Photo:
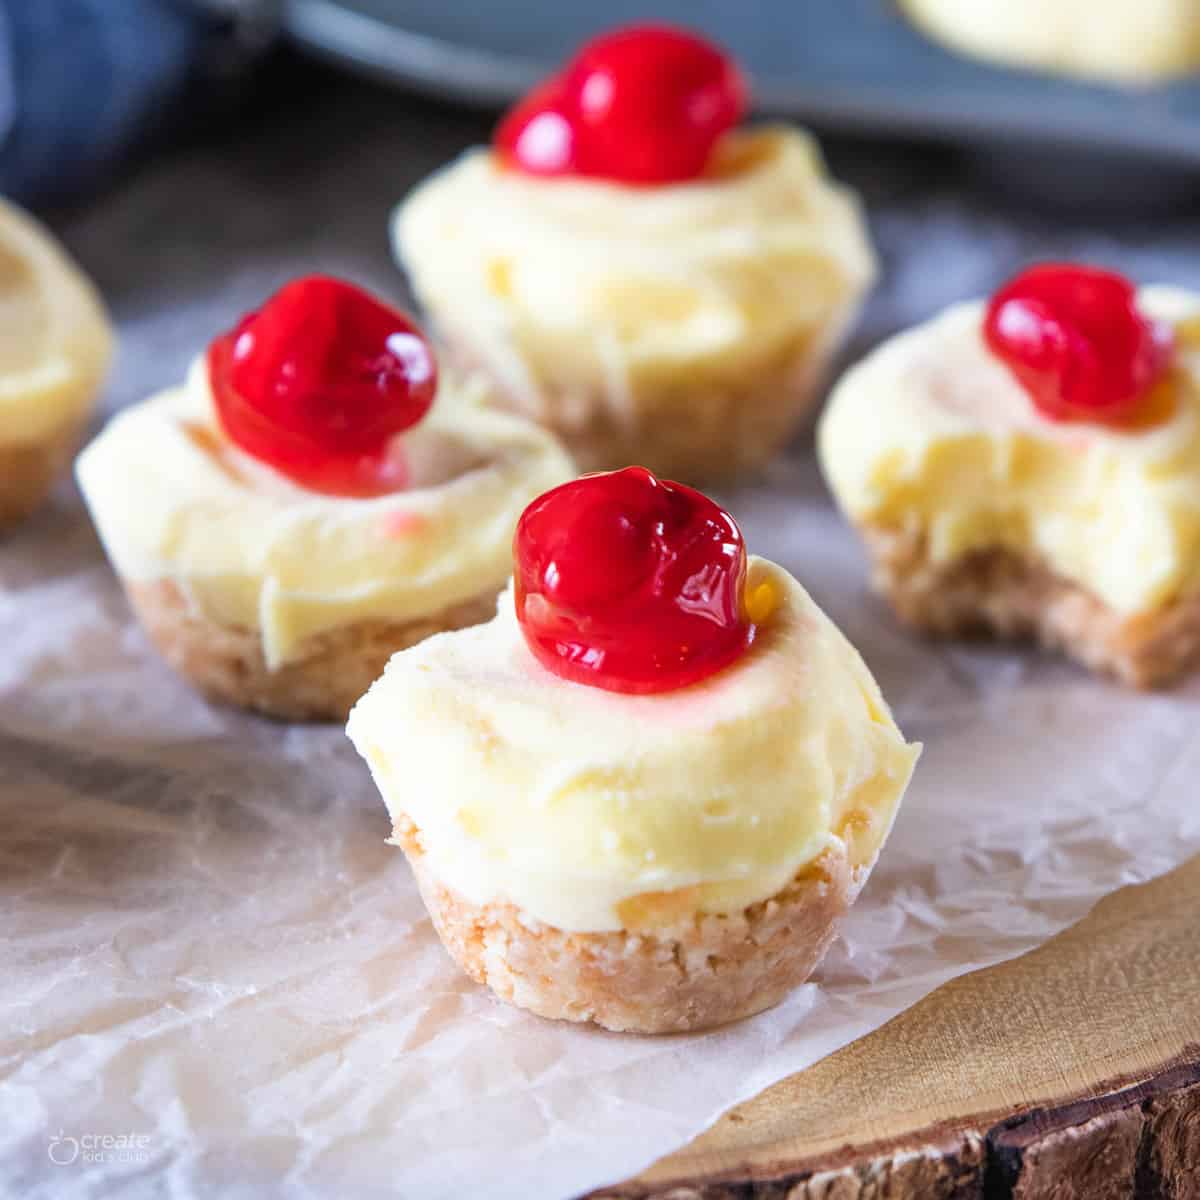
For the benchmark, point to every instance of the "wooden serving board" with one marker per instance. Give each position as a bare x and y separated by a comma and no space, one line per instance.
1070,1073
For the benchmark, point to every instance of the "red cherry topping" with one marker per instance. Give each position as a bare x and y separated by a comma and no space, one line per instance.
642,105
630,583
1075,340
318,382
538,135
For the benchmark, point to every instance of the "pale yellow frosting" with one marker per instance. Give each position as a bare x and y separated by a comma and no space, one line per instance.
597,287
932,432
1118,39
592,810
174,499
55,340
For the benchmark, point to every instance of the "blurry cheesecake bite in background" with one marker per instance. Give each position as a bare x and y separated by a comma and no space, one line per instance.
635,271
1132,41
646,791
314,497
1030,466
55,347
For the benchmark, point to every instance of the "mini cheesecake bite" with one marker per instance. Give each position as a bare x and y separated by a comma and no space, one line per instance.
646,791
55,346
1138,43
636,271
1029,466
315,497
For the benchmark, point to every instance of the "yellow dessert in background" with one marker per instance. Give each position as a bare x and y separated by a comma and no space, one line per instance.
684,326
939,456
55,346
644,835
1123,40
183,512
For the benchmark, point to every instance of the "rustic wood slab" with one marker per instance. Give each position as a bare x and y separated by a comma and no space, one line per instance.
1070,1073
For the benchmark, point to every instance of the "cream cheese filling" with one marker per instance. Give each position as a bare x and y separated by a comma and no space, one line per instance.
55,339
174,499
583,288
932,433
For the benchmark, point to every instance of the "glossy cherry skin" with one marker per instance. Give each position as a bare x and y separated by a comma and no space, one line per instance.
319,381
630,583
538,136
652,103
1075,340
643,105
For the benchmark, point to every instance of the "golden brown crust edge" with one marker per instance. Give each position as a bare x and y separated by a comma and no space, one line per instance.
695,974
1006,594
321,683
29,470
682,430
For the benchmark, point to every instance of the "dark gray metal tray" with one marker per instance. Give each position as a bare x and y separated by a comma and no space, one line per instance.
845,65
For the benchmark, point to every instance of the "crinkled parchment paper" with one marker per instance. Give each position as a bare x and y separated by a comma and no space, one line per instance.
210,956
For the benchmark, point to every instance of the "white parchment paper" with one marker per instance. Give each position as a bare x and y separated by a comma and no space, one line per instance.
210,956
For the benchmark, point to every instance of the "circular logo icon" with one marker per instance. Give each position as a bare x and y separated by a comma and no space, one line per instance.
63,1150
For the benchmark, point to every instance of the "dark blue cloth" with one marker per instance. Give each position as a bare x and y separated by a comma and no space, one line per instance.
80,82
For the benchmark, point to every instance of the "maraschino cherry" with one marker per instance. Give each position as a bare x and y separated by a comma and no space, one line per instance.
630,583
641,105
1075,340
318,382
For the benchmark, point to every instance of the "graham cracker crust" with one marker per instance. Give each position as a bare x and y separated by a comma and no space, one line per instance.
693,973
1006,594
321,683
